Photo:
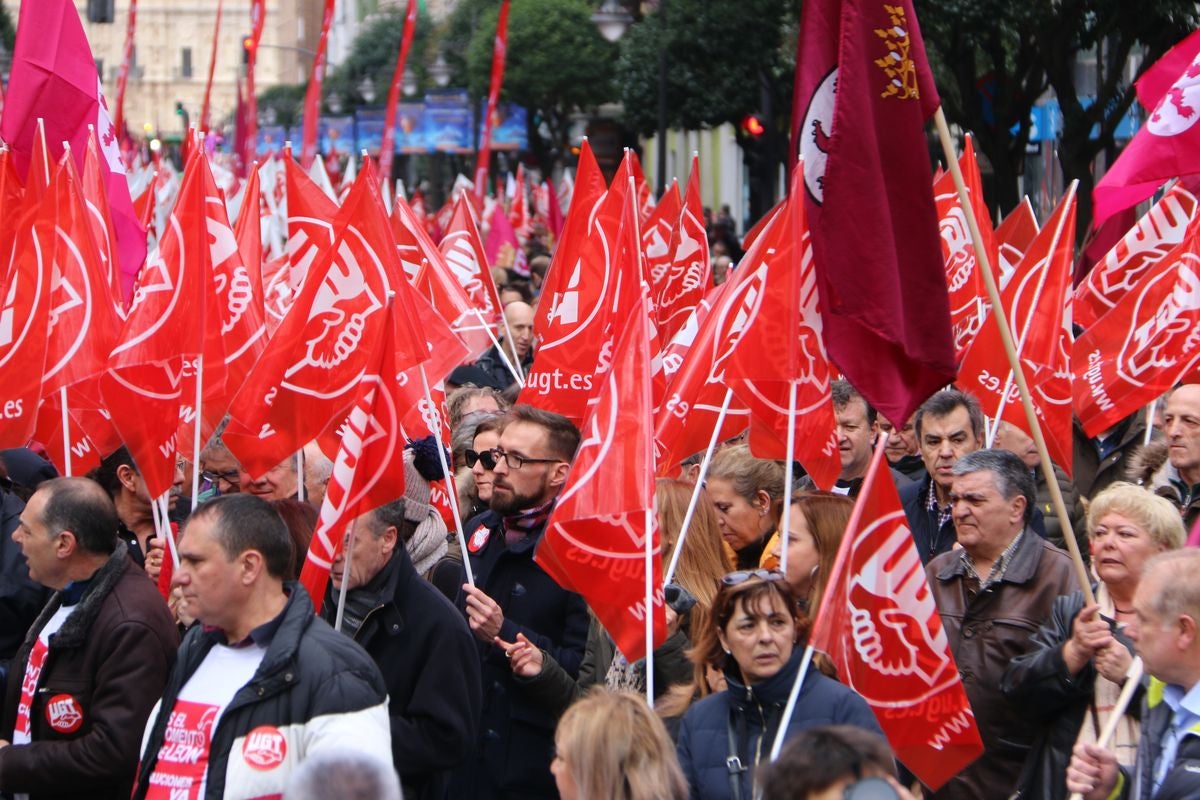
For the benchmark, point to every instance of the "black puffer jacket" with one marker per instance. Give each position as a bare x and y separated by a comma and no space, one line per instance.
1040,683
21,599
315,688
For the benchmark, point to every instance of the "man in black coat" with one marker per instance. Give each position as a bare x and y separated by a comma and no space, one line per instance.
422,646
513,595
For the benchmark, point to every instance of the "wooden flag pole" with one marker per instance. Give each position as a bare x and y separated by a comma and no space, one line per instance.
1014,363
1133,680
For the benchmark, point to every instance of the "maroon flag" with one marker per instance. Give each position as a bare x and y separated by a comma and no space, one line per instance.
388,146
1168,145
499,51
595,541
54,78
866,175
878,624
312,97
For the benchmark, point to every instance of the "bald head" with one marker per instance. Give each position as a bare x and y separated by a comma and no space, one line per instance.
519,316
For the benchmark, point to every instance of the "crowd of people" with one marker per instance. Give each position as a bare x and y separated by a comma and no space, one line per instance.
127,673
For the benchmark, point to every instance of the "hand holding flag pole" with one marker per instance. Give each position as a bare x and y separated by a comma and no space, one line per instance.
1133,681
1010,352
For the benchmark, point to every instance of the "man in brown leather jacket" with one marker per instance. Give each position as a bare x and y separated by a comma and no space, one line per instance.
992,594
94,662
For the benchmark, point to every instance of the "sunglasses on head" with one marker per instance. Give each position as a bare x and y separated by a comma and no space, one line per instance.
487,458
743,575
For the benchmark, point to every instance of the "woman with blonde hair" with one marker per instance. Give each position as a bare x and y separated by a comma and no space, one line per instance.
610,746
1073,674
747,494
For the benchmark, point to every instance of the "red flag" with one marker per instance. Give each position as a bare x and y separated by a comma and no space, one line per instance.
874,227
1155,235
123,72
657,233
1140,348
54,77
963,280
645,198
595,541
144,386
310,215
83,320
312,97
518,214
1013,238
1034,301
878,624
1167,145
366,472
24,318
11,194
780,314
258,19
690,272
309,374
248,233
463,249
499,51
85,455
212,66
387,148
104,235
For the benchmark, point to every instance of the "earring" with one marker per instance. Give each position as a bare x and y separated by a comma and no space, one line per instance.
728,652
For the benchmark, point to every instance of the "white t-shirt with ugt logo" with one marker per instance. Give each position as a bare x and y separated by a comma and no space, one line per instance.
23,730
182,765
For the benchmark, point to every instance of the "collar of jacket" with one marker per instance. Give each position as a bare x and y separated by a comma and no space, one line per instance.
774,690
1020,570
295,618
74,631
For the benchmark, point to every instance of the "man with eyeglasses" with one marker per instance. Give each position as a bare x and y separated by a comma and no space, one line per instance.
511,596
220,472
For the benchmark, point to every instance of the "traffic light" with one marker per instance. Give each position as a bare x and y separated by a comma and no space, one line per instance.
182,113
752,126
247,48
100,10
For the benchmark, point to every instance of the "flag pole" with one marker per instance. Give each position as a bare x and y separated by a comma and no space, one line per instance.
447,476
162,527
1010,351
788,474
196,432
1133,682
650,607
66,423
347,553
699,487
300,487
508,333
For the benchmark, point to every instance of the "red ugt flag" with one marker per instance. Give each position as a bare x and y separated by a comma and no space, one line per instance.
879,626
866,175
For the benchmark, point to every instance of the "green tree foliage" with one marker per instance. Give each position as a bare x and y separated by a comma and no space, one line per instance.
373,55
557,63
287,101
724,61
1012,52
8,31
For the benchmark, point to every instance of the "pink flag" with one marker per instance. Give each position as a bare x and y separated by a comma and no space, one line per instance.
54,78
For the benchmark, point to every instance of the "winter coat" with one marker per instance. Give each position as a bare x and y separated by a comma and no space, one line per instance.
108,662
1149,467
315,689
1039,683
516,733
21,599
1092,473
750,717
1075,512
426,653
986,632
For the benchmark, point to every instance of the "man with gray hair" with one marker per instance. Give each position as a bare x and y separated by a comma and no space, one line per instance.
1166,633
344,774
992,594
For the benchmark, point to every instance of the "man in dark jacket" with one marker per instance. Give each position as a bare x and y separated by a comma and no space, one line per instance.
1171,468
422,646
84,681
513,595
1101,460
21,599
262,683
1166,633
992,595
519,348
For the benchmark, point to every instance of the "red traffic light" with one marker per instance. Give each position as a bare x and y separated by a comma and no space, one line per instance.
248,43
752,126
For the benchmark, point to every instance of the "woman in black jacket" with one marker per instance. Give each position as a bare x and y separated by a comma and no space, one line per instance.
1073,674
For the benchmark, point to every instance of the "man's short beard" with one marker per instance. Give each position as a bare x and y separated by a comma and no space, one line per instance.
510,502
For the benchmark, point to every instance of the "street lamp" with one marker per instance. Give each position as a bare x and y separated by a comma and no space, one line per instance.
335,103
440,71
366,88
612,19
409,83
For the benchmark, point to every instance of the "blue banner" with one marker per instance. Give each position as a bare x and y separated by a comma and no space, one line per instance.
509,131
